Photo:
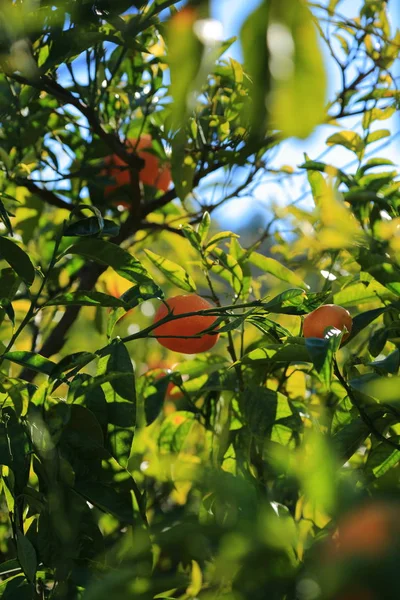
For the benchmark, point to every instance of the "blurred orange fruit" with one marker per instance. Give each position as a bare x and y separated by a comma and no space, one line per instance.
154,173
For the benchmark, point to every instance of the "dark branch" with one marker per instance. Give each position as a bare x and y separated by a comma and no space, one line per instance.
45,195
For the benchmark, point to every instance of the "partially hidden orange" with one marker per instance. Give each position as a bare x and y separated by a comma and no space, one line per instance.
328,315
187,327
154,173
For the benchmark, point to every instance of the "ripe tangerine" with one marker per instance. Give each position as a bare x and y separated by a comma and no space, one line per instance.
186,326
153,174
328,315
368,531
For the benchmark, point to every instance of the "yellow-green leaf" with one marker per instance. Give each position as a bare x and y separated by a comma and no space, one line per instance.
298,92
274,267
173,272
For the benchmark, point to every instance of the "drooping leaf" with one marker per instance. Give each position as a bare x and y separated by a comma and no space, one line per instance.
26,556
349,438
381,458
390,364
322,352
296,65
107,499
257,60
184,58
17,259
112,256
91,226
120,395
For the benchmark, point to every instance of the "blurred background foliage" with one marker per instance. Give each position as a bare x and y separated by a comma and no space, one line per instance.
268,467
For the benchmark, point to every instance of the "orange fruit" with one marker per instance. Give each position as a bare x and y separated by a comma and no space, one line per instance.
153,174
186,326
329,315
357,594
369,530
161,369
170,400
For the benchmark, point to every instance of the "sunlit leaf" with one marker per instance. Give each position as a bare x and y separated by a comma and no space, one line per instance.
173,272
274,267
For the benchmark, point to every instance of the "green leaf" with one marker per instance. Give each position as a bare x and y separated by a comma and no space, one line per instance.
390,364
274,267
16,588
173,272
184,58
289,302
192,236
9,285
349,438
121,400
4,216
204,226
82,298
290,353
174,430
26,556
322,353
375,136
17,259
91,226
349,139
108,499
297,67
374,162
31,360
228,268
256,60
8,567
19,449
217,238
381,458
362,320
183,166
377,341
112,256
72,362
133,297
318,185
264,409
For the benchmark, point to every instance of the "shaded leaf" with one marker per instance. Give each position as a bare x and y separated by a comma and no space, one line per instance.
17,259
112,256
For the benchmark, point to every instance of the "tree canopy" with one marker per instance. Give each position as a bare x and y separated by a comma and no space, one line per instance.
258,458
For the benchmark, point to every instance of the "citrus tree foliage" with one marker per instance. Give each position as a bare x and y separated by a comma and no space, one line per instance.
129,471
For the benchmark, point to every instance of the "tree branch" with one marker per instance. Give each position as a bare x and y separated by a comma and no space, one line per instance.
46,195
64,96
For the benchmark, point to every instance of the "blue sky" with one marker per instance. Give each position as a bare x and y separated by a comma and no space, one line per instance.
232,14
